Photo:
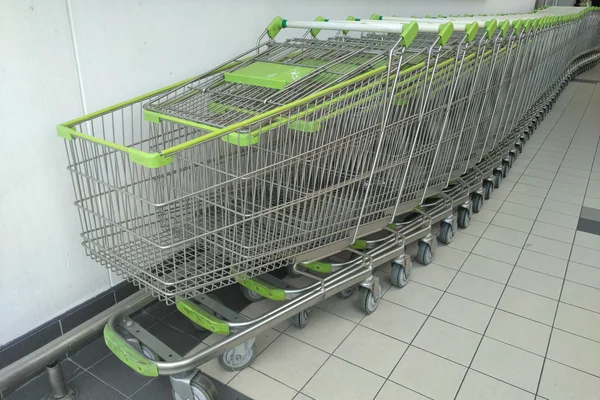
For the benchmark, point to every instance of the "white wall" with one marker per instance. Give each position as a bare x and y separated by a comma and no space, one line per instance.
61,58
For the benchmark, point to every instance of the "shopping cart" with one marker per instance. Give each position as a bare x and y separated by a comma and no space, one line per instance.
291,153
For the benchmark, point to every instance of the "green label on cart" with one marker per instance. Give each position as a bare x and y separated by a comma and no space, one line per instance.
268,75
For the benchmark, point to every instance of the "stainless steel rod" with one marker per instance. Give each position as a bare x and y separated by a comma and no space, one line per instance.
23,368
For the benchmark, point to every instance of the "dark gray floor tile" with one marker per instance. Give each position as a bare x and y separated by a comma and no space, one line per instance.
87,311
158,389
23,346
176,340
38,387
91,354
160,309
145,320
589,226
91,388
180,322
593,214
118,375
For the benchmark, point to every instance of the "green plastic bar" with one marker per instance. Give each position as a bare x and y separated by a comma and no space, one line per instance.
471,31
490,28
444,32
274,27
314,32
130,357
409,33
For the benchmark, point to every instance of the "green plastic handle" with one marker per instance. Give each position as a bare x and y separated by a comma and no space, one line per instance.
314,32
274,27
503,26
376,17
130,356
444,33
409,33
528,25
201,317
350,18
518,26
471,31
490,28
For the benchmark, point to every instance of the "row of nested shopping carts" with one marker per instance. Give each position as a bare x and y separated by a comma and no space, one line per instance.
325,154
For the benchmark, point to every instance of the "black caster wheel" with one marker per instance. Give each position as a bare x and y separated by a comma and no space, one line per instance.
446,233
488,189
477,200
463,218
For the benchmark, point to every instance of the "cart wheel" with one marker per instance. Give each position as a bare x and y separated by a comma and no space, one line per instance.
424,253
446,234
231,361
250,295
401,273
347,293
145,350
369,300
477,200
202,389
300,320
464,218
488,189
498,178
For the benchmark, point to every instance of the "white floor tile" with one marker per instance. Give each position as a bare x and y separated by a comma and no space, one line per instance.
484,215
259,386
581,296
573,180
543,263
340,380
578,321
497,251
528,305
395,321
584,274
525,199
556,218
535,181
426,373
448,341
509,364
487,268
548,246
555,232
530,190
585,255
492,204
463,312
500,194
324,330
574,199
569,188
535,282
371,350
432,275
593,192
575,351
477,228
449,257
539,173
477,289
300,363
519,210
513,222
464,242
560,382
343,307
505,235
415,296
301,396
478,386
561,207
519,332
592,202
393,391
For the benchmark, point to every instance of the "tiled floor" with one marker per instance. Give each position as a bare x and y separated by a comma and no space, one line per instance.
509,310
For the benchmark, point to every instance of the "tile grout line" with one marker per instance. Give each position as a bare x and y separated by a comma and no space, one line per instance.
566,269
510,275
